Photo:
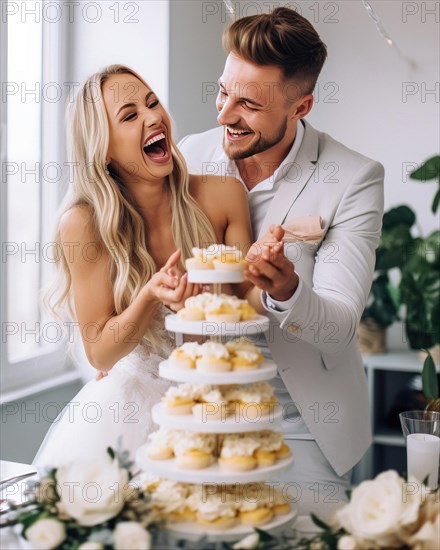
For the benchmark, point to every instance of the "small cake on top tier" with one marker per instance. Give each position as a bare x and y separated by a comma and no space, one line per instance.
216,256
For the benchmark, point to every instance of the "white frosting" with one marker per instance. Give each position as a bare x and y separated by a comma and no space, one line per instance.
213,396
239,444
190,349
186,391
260,392
164,437
269,440
190,441
214,349
212,506
220,302
240,345
248,355
200,301
170,496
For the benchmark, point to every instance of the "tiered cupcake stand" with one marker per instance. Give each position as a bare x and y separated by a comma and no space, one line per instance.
213,473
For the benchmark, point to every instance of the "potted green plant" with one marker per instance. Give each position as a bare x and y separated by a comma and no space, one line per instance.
383,304
430,384
420,283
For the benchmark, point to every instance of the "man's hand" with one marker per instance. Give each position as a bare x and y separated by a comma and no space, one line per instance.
269,269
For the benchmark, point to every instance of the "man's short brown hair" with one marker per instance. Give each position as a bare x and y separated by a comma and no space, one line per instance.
282,39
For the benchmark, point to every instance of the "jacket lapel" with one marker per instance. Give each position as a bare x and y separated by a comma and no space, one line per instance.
294,180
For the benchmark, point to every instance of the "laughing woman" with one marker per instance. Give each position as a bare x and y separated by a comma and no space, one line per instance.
132,216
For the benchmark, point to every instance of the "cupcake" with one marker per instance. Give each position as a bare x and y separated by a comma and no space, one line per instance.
179,399
174,509
270,443
229,258
244,354
211,404
184,357
213,357
213,511
251,402
202,259
161,444
237,453
194,451
222,310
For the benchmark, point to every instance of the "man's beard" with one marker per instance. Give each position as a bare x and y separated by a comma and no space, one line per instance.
263,144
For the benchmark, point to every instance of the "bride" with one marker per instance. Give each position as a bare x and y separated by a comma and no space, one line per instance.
132,216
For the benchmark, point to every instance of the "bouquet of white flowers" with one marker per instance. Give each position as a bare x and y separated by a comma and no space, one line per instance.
383,513
88,505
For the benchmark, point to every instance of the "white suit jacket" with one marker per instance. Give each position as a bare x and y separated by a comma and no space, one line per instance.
315,342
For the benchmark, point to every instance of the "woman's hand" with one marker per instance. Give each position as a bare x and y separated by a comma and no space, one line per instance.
170,286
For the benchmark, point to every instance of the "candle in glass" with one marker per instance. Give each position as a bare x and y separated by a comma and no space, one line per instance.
423,451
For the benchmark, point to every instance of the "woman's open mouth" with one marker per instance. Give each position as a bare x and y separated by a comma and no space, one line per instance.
156,148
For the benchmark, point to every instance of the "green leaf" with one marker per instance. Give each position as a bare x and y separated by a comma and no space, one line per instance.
435,202
111,453
400,215
429,170
317,521
264,535
429,378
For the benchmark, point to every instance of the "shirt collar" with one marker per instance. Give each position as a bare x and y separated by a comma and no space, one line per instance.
231,167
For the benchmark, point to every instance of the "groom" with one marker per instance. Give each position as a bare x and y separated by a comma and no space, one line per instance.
316,290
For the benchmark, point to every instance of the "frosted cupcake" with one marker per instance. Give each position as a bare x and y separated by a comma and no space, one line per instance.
194,451
213,357
184,357
180,399
244,354
251,402
211,405
237,453
161,444
213,511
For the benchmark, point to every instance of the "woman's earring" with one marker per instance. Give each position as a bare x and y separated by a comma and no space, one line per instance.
106,170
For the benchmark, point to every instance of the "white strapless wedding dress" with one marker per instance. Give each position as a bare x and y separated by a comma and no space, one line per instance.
118,405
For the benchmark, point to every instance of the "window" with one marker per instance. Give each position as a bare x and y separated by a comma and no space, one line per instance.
32,150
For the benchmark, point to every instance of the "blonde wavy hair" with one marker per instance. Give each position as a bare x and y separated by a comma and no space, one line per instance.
116,217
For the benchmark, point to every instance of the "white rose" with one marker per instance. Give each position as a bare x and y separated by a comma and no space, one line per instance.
428,536
90,545
347,542
129,535
45,534
249,542
91,490
378,509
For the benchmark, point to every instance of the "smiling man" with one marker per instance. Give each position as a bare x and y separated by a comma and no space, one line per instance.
329,200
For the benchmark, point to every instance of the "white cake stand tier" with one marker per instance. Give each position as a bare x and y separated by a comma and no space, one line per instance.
259,325
212,474
192,531
265,371
232,424
215,276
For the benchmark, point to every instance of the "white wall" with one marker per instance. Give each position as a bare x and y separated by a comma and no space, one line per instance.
135,34
375,112
363,77
196,62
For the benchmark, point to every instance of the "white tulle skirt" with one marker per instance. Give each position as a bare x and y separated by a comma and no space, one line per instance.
118,405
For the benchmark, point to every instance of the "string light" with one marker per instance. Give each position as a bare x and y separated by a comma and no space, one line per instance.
381,30
230,9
